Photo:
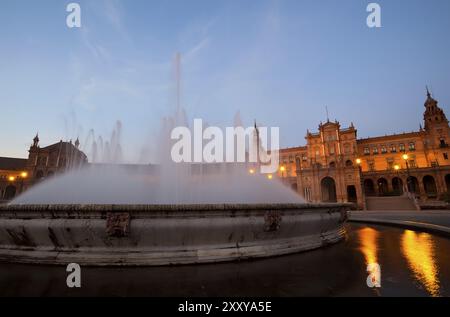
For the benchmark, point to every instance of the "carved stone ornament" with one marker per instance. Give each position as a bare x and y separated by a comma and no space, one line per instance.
117,224
272,221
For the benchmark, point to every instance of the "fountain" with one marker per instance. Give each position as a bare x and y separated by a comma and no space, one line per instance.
109,214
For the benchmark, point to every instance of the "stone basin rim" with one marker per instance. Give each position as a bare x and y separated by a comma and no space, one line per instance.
169,207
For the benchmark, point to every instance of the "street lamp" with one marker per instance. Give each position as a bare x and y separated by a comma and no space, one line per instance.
23,175
361,182
251,171
269,176
397,168
282,170
408,180
11,178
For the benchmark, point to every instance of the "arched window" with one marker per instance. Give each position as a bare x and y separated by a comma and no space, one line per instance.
10,192
429,185
369,187
382,186
351,194
328,188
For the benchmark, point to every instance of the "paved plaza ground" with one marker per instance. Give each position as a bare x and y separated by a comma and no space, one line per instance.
437,221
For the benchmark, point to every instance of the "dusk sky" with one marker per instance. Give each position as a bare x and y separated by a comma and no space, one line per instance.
279,62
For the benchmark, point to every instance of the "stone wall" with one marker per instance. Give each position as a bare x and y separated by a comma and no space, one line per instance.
162,235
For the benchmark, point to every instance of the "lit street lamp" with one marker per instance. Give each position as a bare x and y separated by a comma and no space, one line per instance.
23,175
282,170
397,168
361,181
408,180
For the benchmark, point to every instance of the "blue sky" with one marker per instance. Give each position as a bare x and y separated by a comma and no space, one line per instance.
280,62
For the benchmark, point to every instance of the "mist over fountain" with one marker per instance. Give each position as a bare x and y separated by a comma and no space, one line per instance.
105,181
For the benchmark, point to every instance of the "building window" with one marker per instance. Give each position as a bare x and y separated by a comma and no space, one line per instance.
366,151
412,146
371,166
390,163
307,192
393,148
347,148
375,150
383,150
402,147
445,156
304,157
412,163
291,159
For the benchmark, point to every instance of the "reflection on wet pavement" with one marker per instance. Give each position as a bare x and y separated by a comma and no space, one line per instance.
419,251
412,264
368,238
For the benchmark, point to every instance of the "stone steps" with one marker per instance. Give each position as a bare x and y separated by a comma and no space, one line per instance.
390,203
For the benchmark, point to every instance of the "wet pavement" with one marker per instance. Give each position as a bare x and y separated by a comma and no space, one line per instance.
436,217
412,264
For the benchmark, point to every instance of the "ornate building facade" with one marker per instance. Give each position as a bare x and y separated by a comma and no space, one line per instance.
337,166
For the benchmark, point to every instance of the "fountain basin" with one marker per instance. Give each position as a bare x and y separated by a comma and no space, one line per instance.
121,235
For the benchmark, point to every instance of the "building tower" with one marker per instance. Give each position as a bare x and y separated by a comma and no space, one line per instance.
437,132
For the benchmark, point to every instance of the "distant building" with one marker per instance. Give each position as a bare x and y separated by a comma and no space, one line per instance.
336,166
17,175
12,175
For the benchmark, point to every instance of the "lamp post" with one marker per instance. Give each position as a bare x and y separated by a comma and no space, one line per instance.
361,182
282,170
23,176
11,179
397,168
408,180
